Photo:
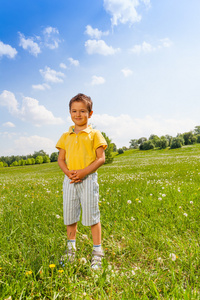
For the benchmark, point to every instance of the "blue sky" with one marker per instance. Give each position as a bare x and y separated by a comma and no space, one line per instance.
139,60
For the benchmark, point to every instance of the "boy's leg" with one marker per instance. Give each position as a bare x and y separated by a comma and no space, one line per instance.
97,251
71,231
96,234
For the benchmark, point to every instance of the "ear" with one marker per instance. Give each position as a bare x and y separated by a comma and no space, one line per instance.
90,114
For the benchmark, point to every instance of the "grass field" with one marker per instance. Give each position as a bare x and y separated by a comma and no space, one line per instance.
149,205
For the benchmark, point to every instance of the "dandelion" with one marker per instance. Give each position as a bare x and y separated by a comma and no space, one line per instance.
139,201
151,194
160,260
28,273
129,202
191,202
136,199
185,214
57,216
163,195
133,272
51,266
159,198
83,260
180,207
60,271
172,256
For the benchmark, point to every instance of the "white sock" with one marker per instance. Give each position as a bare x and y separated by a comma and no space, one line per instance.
71,244
97,247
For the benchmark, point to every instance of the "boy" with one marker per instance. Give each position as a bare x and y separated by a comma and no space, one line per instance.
81,153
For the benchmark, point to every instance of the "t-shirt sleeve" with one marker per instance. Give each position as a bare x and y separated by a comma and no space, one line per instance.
99,140
61,142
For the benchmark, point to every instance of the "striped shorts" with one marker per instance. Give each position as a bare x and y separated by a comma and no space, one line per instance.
83,194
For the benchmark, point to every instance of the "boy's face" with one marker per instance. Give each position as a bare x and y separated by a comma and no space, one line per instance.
80,114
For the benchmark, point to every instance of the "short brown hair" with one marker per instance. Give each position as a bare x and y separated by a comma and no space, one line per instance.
82,98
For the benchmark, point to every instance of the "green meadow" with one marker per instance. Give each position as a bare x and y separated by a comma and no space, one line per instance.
149,203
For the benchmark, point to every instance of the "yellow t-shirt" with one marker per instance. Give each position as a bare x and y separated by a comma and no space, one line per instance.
81,148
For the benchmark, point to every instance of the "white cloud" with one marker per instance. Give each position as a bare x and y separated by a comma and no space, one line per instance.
50,75
73,62
146,47
99,47
166,42
9,124
41,87
123,128
95,32
127,72
7,50
96,80
63,66
124,11
29,44
30,111
8,100
27,145
51,39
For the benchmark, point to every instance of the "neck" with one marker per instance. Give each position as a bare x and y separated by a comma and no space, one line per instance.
77,128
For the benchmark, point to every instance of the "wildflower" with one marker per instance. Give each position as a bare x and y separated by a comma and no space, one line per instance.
133,272
136,199
160,260
151,194
52,266
172,256
83,260
84,294
139,201
185,214
28,273
159,198
129,202
57,216
180,207
132,219
191,202
60,271
163,195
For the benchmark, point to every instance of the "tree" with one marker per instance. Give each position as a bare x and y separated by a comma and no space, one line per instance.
120,151
155,140
169,138
46,159
1,164
177,142
29,161
54,156
39,153
197,130
189,138
114,147
163,143
133,144
147,145
39,159
14,164
109,149
142,140
198,138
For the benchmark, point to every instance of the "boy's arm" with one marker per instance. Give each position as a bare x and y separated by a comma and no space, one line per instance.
98,162
62,164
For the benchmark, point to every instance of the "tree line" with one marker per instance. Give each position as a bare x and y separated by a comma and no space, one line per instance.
186,138
38,157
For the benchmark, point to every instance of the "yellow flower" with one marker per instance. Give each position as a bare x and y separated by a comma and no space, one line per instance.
136,199
60,271
52,266
28,273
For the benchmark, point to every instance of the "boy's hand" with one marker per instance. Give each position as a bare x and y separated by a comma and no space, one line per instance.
77,175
